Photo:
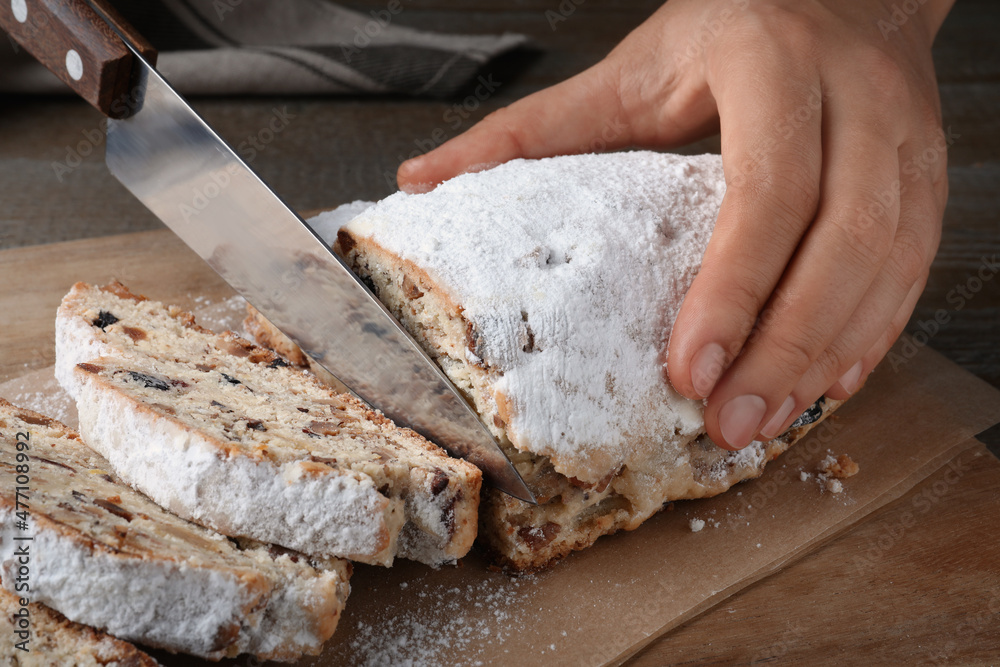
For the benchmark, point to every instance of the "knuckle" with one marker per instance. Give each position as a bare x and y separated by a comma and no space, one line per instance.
800,33
773,33
793,348
904,270
939,182
924,174
503,122
774,188
887,79
928,118
834,361
897,325
928,154
865,237
912,255
797,31
743,297
894,331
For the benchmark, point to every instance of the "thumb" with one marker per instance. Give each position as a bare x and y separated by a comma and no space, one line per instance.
580,115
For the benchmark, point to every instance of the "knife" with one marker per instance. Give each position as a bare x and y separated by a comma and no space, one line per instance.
166,155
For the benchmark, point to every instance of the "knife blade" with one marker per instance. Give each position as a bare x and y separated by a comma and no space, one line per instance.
166,155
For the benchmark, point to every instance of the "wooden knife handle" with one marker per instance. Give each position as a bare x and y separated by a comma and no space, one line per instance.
73,41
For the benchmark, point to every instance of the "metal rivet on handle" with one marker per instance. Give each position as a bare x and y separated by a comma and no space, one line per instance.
74,65
20,10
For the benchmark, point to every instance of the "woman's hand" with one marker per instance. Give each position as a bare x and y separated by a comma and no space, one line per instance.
836,184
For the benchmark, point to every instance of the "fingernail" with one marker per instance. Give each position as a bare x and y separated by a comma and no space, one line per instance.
851,379
738,419
770,430
706,368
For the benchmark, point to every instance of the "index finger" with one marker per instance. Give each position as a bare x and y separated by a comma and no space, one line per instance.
565,119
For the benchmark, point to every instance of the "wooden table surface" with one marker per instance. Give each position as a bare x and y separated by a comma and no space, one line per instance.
932,596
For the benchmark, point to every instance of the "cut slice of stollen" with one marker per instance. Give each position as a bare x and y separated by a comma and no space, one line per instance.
226,434
76,538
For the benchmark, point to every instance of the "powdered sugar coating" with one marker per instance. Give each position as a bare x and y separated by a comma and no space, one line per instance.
571,271
328,223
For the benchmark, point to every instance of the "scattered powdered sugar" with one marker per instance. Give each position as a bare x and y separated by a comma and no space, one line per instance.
571,271
225,315
40,392
441,625
696,525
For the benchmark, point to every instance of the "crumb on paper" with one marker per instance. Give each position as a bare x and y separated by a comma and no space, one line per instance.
841,467
830,471
696,525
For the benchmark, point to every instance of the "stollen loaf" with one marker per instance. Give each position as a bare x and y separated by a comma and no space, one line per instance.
546,290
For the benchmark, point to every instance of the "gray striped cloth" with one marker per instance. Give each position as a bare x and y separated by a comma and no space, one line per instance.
292,47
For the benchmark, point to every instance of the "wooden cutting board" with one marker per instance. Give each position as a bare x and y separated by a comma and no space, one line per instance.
599,606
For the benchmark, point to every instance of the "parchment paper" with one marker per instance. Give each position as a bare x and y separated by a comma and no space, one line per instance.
604,604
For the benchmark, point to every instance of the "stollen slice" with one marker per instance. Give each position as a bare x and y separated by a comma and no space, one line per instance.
80,541
225,433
